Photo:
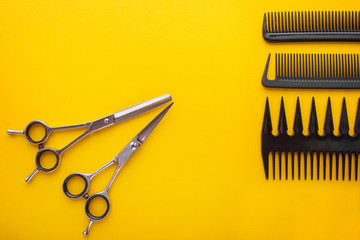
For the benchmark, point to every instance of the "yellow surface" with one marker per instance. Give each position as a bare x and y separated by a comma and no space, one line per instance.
200,174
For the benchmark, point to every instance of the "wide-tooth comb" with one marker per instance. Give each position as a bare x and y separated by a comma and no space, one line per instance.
311,26
314,71
332,147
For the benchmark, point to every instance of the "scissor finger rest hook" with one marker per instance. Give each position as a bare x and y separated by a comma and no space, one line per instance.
93,218
39,163
27,132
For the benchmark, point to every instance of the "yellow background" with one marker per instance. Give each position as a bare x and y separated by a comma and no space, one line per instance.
200,174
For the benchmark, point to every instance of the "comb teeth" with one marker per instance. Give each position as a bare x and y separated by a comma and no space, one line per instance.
301,149
314,71
311,26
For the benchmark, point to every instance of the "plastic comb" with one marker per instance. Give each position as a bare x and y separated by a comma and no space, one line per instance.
314,71
305,149
311,26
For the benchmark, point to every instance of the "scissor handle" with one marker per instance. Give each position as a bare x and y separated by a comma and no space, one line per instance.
40,153
92,217
48,130
31,124
39,166
104,195
85,177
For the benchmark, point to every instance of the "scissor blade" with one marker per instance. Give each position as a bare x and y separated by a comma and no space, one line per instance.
142,136
141,108
139,139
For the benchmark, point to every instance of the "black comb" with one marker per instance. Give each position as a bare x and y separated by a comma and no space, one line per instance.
314,71
311,26
305,148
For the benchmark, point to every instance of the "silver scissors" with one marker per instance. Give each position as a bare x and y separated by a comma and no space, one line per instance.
92,127
120,159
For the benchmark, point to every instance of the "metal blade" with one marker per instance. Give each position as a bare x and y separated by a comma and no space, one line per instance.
139,139
142,136
141,108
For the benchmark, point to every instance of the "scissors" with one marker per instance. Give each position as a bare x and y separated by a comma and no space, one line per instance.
91,127
120,159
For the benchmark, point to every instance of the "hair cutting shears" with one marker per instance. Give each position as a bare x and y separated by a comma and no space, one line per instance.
120,159
91,127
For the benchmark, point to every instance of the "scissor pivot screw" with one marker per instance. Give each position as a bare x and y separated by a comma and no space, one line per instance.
106,120
134,145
